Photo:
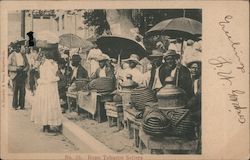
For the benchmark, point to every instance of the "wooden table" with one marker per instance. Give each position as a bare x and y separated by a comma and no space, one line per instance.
133,125
71,96
101,99
166,144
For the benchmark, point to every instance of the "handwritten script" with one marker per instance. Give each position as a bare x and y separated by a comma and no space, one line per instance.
226,72
234,44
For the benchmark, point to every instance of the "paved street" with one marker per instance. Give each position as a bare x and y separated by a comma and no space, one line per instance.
26,137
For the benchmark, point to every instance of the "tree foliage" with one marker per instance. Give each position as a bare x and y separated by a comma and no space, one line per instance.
96,18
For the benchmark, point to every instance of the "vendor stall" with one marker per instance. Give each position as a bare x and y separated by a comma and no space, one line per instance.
93,102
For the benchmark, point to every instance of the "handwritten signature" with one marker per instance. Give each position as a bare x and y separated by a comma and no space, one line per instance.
234,98
235,45
225,71
219,62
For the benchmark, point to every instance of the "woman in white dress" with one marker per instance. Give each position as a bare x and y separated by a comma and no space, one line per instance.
46,109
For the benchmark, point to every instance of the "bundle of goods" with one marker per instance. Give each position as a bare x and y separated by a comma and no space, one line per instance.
140,96
155,123
103,84
114,110
81,84
128,84
110,109
117,98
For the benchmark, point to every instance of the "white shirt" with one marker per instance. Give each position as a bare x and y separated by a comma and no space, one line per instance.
102,72
137,75
173,72
195,86
19,59
157,82
74,72
93,53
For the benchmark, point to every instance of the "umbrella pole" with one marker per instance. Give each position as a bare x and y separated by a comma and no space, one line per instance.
118,69
178,64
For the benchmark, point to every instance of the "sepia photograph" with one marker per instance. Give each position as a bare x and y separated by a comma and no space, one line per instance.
128,78
117,80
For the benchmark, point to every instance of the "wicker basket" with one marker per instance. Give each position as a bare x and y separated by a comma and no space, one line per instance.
155,123
103,84
81,83
140,96
181,122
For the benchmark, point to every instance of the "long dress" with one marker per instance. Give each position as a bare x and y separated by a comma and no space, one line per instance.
46,108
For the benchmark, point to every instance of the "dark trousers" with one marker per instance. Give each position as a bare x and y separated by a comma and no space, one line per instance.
18,92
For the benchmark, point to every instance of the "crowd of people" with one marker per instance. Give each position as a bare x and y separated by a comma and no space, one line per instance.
48,77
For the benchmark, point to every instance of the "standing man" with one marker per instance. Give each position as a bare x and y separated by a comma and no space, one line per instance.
18,67
153,75
194,104
180,73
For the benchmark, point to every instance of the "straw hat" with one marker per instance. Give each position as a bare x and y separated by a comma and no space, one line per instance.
156,53
194,59
134,58
102,57
171,53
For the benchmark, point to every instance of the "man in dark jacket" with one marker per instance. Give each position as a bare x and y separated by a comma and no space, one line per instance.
79,71
180,73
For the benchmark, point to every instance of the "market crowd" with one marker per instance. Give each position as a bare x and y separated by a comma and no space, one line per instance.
47,74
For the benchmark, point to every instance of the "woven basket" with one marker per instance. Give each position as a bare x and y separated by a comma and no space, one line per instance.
140,96
181,122
81,83
155,123
102,84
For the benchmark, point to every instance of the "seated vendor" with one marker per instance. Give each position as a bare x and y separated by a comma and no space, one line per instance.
79,71
132,62
104,69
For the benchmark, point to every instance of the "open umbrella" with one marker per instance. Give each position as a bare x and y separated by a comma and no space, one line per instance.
73,41
177,28
114,46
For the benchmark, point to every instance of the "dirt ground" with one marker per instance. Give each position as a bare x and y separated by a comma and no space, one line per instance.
116,140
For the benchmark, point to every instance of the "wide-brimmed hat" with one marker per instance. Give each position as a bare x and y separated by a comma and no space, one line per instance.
76,58
134,58
171,53
194,59
102,57
155,53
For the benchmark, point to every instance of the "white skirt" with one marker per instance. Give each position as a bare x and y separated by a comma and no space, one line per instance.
46,109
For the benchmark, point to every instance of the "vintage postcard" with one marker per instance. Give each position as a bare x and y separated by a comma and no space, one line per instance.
124,80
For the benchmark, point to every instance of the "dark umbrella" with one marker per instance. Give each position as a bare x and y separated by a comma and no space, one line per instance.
74,41
114,46
178,28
